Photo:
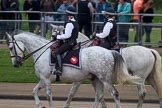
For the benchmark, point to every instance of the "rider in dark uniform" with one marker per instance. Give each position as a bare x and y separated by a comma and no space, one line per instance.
69,38
108,36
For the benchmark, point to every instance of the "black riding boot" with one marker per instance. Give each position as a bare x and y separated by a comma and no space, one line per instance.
58,66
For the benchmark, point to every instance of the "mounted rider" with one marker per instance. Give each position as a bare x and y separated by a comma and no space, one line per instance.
108,37
69,38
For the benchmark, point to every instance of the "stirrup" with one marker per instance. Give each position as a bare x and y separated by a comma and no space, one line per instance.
57,72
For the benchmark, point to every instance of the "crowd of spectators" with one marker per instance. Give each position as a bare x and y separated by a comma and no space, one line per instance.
46,6
123,8
103,5
85,10
29,6
147,8
9,5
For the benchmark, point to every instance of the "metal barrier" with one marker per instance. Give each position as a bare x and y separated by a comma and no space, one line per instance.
157,27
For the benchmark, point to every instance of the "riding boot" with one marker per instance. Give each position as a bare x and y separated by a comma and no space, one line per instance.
58,66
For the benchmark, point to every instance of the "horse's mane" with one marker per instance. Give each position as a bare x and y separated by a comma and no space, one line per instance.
15,32
31,35
82,37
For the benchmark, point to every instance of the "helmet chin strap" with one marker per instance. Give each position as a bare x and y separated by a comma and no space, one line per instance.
70,17
107,16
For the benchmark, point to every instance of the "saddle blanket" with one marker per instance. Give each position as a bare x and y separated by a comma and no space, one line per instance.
72,58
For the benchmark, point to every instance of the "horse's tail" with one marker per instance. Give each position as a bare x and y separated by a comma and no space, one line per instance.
157,72
121,71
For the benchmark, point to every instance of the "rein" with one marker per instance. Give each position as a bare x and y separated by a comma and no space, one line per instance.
27,56
30,54
81,44
84,42
17,56
41,54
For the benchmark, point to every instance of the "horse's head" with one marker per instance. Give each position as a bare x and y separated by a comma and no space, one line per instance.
56,30
16,50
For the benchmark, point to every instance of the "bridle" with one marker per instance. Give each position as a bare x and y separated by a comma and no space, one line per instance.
20,59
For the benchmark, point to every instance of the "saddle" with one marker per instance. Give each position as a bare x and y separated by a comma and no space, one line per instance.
69,58
97,42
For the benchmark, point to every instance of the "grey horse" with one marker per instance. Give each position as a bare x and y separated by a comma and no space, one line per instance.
103,68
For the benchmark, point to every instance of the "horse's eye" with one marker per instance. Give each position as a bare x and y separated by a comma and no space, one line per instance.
10,47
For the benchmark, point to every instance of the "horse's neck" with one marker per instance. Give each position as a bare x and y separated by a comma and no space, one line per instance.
83,38
33,43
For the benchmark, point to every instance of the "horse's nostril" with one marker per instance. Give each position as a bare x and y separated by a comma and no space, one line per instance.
21,64
16,65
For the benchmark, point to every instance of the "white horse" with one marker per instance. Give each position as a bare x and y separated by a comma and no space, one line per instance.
107,64
140,61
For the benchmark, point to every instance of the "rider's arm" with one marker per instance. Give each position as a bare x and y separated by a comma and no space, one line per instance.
68,30
106,30
90,6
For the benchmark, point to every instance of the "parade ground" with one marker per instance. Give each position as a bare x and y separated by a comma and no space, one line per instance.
19,95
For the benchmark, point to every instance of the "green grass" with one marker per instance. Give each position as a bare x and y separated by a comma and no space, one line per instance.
157,19
155,35
9,73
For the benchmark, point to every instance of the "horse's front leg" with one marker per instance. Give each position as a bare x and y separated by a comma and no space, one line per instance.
36,89
99,89
49,92
71,94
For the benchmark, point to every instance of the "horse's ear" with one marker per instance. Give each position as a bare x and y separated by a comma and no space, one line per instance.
54,26
61,28
9,37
